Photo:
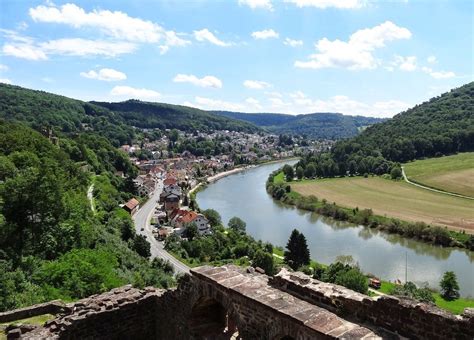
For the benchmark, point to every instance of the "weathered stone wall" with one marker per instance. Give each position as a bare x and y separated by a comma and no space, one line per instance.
51,307
215,302
406,317
122,313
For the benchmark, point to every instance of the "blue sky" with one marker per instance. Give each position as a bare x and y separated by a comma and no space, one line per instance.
373,58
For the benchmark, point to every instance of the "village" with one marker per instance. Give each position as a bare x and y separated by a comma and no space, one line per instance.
170,162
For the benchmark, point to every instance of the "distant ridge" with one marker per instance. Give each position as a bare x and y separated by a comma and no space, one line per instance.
323,125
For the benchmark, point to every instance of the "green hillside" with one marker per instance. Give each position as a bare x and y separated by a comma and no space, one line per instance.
168,116
315,125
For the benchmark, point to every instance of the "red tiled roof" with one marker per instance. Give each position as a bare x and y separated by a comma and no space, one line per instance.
189,217
132,204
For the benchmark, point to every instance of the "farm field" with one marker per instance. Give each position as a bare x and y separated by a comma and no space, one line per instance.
450,173
393,199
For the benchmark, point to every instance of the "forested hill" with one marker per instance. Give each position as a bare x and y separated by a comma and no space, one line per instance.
324,125
114,121
441,126
168,116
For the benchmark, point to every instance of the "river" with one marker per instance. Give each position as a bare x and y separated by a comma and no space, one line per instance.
244,195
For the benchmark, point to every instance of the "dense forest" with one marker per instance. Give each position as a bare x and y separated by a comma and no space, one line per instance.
114,121
168,116
441,126
315,125
51,243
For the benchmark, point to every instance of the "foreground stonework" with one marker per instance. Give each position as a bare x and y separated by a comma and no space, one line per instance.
230,302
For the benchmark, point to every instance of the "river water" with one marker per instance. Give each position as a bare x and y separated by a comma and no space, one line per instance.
244,195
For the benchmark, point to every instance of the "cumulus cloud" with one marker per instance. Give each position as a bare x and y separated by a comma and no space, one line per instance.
83,47
116,24
256,84
254,103
3,67
207,81
438,74
293,42
356,53
255,4
5,81
405,63
265,34
206,35
106,74
431,59
340,4
214,104
128,92
24,51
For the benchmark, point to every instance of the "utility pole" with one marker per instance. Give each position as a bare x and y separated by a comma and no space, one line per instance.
406,267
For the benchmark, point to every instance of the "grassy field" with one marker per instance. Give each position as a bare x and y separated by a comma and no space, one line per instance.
450,173
393,199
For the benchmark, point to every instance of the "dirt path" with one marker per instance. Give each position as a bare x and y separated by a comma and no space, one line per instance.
431,189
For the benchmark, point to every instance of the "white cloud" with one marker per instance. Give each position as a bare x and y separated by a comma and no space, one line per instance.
3,67
293,42
431,59
265,34
5,81
215,104
405,63
115,24
207,81
206,35
24,51
256,84
106,74
127,92
22,26
341,4
438,74
356,53
254,4
254,103
83,47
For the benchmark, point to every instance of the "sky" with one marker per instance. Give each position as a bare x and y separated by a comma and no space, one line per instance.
357,57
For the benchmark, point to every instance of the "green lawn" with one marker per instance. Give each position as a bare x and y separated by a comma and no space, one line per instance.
280,178
450,173
392,199
35,320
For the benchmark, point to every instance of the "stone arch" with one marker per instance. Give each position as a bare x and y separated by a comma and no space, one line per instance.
208,318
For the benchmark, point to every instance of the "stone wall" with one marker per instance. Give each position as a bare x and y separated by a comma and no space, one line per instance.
218,303
122,313
52,307
405,317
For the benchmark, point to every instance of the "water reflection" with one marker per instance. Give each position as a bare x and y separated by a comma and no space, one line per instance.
377,252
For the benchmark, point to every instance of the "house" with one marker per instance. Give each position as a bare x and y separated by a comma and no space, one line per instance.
170,181
183,218
132,206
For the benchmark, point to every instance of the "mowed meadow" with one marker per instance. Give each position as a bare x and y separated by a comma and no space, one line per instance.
393,199
450,173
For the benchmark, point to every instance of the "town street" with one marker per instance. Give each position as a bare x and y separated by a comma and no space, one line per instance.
142,225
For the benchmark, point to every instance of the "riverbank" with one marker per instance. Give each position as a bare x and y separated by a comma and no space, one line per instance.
220,175
282,191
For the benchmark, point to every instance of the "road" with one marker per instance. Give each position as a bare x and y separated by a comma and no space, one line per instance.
431,189
142,225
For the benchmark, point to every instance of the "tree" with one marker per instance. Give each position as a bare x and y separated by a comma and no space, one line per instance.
449,286
289,172
353,279
299,172
141,246
310,170
396,172
264,260
192,231
213,217
297,253
237,224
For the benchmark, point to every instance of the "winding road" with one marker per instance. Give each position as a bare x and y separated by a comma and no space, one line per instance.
142,225
431,189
